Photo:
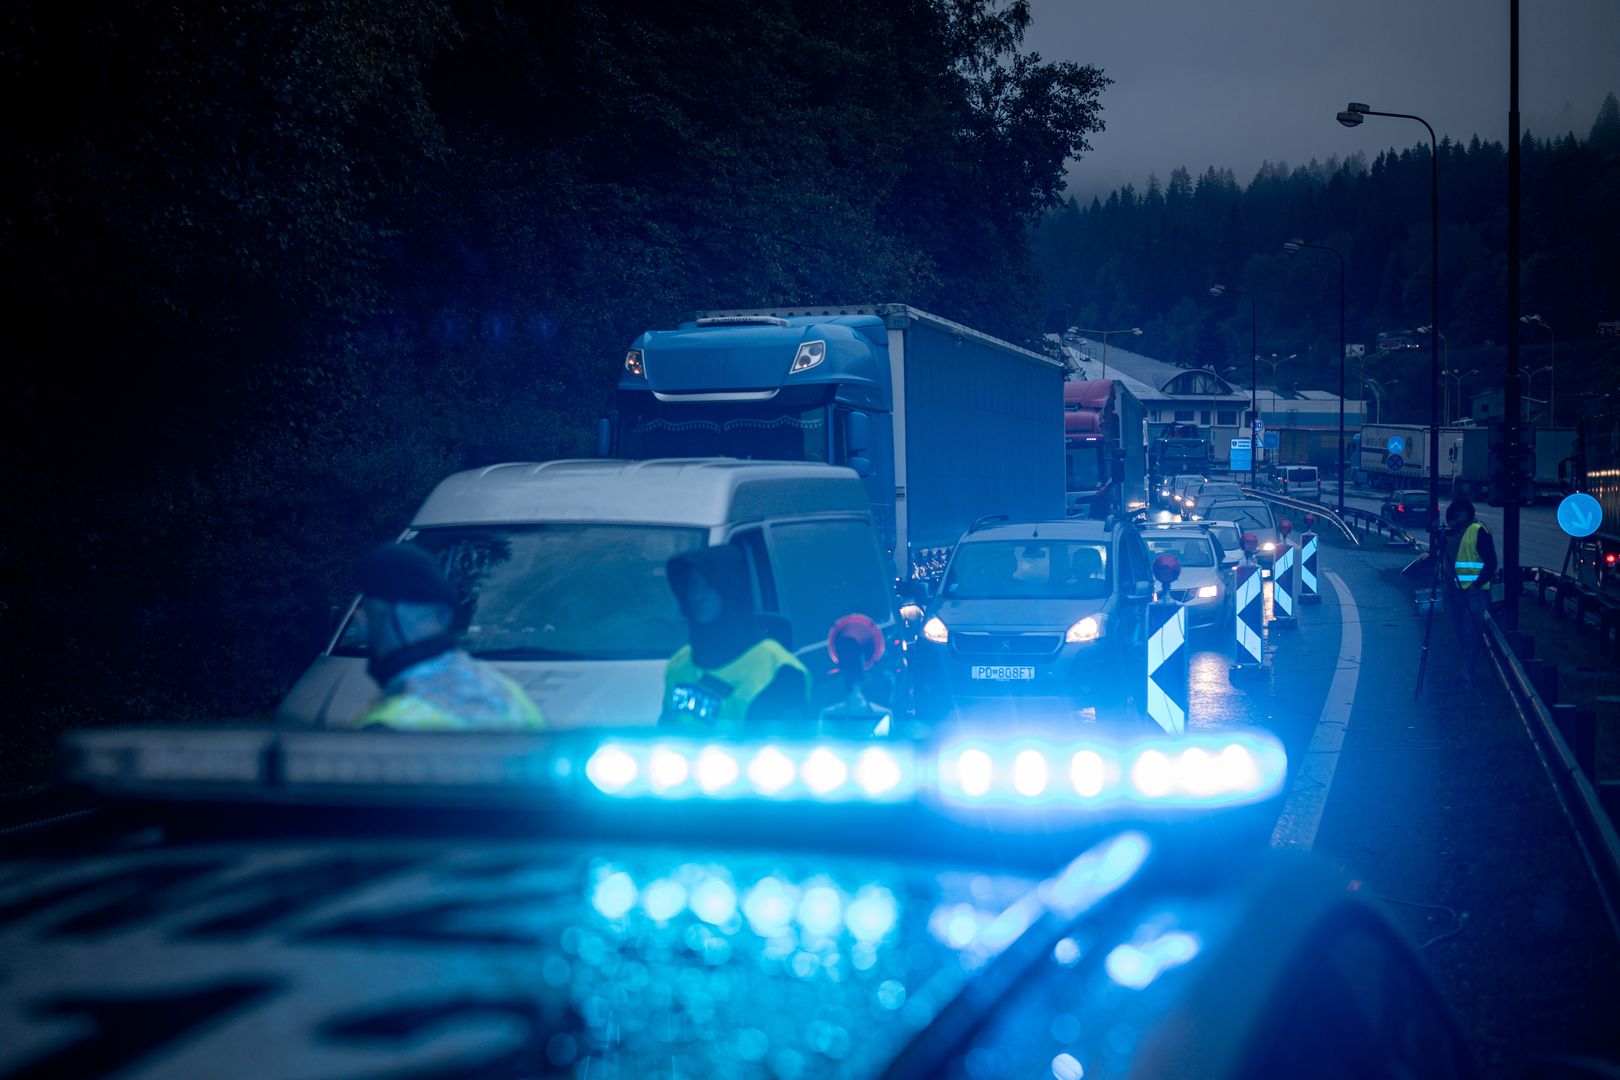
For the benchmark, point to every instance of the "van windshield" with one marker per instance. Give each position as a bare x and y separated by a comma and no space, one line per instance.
558,592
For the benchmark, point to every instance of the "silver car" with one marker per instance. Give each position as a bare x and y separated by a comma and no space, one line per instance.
1202,585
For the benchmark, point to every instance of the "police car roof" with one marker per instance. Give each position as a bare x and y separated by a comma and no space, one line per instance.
701,492
1060,529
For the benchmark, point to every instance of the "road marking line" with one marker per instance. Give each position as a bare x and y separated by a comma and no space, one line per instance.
1307,795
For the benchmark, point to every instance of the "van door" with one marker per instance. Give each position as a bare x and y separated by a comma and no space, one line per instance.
823,569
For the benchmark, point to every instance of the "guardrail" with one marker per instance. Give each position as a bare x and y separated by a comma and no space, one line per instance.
1352,519
1571,768
1590,608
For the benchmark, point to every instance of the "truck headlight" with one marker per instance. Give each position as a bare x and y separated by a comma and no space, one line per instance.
936,631
809,355
1087,629
1209,592
634,364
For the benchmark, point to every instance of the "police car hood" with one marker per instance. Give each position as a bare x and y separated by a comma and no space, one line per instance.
362,958
1020,614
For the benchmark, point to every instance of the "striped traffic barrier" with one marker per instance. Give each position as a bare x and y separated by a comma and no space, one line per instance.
1284,583
1309,588
1168,678
1248,622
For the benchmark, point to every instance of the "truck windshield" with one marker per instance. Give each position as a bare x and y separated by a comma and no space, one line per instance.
1009,569
762,430
558,592
1084,468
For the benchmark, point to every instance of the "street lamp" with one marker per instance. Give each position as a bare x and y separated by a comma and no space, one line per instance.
1254,371
1352,116
1445,362
1552,379
1105,335
1458,376
1293,246
1379,390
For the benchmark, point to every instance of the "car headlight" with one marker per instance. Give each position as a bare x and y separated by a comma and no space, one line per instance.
1209,592
1087,629
936,631
1268,546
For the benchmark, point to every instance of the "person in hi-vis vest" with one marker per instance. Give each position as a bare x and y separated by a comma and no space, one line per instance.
1469,567
731,677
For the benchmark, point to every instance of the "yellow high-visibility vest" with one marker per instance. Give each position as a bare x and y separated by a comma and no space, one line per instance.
1468,564
717,699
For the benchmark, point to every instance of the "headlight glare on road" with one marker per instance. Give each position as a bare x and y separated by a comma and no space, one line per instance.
936,631
1087,629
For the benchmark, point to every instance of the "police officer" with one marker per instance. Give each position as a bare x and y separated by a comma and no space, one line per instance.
428,683
1470,564
731,676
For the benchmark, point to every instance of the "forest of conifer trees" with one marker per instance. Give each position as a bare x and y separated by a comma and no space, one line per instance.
1147,258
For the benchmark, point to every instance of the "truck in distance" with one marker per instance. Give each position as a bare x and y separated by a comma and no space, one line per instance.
944,424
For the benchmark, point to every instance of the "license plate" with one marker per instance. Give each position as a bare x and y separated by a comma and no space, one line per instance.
1001,673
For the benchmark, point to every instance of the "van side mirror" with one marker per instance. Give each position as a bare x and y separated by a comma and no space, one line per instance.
862,466
604,437
857,435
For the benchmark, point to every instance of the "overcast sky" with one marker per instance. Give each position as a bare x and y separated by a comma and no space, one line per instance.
1235,83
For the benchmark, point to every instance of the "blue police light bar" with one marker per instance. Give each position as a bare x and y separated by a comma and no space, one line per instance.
1188,772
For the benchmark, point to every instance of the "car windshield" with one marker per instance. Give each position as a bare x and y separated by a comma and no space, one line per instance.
1248,516
1228,536
1209,491
1188,550
1008,569
558,592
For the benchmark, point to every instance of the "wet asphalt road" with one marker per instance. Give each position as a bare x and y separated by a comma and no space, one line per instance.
1437,807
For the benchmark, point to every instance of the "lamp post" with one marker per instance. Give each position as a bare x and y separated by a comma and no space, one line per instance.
1445,362
1352,116
1552,377
1254,371
1105,335
1454,407
1292,247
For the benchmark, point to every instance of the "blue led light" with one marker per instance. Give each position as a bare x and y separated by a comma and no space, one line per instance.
1136,966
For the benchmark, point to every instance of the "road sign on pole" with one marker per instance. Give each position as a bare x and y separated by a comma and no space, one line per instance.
1579,515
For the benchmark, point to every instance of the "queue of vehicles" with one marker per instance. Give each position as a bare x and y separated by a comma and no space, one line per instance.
1003,895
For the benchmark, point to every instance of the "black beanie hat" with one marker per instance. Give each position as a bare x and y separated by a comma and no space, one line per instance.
404,573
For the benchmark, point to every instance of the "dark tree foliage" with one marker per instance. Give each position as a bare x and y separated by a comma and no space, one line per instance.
273,269
1148,259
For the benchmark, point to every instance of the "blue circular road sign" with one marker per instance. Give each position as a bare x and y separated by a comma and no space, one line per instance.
1395,462
1579,515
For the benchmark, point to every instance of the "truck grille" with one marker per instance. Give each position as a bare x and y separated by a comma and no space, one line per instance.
1006,644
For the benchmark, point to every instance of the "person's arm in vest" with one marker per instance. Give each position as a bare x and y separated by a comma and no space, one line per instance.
1487,555
785,703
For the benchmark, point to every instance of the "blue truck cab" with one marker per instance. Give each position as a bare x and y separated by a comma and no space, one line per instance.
942,423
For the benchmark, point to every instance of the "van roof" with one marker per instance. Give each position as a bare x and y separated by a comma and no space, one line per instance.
702,492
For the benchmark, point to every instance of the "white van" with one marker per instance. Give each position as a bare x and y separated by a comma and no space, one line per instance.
561,571
1297,481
